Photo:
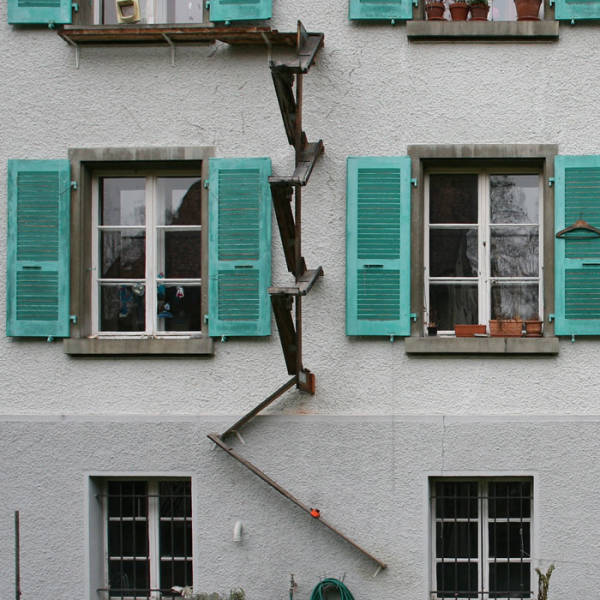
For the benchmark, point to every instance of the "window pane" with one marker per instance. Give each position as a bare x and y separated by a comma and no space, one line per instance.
175,573
457,579
510,580
453,303
182,254
509,499
520,300
514,198
175,538
453,198
456,540
509,540
127,499
123,254
453,252
123,200
178,11
128,575
514,251
456,499
128,538
179,199
175,499
122,307
179,307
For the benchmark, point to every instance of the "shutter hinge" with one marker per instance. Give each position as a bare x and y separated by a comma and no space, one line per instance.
206,318
392,339
572,338
51,25
50,339
415,2
551,2
551,317
73,319
414,182
206,184
393,21
75,6
413,317
74,185
207,4
550,181
224,338
573,23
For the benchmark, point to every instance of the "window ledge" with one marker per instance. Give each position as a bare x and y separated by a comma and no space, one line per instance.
487,345
86,346
535,31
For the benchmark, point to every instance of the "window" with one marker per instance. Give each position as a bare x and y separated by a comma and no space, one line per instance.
481,538
148,537
153,11
482,246
147,254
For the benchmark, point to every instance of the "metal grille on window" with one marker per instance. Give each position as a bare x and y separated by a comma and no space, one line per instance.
482,538
149,538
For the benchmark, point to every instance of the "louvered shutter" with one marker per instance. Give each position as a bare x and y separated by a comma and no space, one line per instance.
240,10
39,11
576,10
378,246
577,257
38,248
380,10
239,246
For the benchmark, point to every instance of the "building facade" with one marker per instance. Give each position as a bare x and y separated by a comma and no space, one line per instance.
153,297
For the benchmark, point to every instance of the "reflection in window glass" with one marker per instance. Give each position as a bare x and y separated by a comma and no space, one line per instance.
453,198
453,252
515,300
514,199
514,251
123,201
453,303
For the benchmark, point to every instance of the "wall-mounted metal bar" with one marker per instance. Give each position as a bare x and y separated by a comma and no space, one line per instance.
217,440
248,416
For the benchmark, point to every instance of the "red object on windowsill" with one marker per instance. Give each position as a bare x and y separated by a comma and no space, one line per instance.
468,330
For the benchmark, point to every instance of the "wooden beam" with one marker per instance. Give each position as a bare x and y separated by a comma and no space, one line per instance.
217,440
303,285
282,197
282,308
307,159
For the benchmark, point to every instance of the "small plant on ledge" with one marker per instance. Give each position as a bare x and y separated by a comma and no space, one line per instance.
479,9
459,10
434,9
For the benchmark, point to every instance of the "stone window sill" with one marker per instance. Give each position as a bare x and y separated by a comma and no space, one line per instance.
525,31
484,345
139,346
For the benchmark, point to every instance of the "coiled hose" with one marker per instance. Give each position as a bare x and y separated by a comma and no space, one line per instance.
331,584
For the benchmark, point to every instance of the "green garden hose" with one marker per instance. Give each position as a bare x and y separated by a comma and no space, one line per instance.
331,584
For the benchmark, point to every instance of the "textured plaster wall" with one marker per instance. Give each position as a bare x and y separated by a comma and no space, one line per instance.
316,458
371,92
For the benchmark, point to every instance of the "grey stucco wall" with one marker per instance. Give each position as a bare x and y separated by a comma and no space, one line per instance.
317,458
371,92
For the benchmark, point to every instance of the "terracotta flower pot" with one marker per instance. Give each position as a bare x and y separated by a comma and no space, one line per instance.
533,328
468,330
479,12
459,11
506,327
435,11
528,10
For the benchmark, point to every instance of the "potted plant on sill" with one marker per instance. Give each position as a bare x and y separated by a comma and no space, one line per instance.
460,10
468,330
528,10
503,327
479,9
533,327
434,10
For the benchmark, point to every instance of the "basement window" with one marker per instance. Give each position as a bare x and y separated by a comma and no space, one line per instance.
481,538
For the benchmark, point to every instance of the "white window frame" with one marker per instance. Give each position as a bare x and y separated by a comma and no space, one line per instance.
484,279
483,558
153,519
151,267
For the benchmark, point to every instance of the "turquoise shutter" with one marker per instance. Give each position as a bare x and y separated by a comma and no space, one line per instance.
39,11
577,258
38,248
240,10
575,10
239,246
378,246
380,10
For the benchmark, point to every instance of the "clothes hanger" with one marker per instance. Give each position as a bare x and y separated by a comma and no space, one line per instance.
579,225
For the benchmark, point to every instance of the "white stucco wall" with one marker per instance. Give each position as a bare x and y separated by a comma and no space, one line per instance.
371,92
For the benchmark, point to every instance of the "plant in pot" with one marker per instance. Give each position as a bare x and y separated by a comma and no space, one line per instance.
460,10
479,9
435,10
432,326
528,10
503,327
468,330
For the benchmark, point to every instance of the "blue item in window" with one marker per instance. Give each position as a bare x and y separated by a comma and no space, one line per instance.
165,313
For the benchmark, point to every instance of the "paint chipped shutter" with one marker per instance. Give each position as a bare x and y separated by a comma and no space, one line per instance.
39,11
240,10
576,10
380,10
378,246
577,256
239,247
38,252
